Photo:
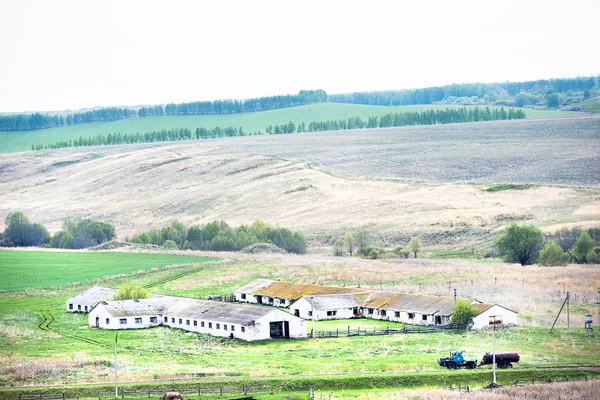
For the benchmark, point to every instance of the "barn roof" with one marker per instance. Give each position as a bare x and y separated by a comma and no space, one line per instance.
93,296
218,311
483,307
336,301
418,303
137,308
292,291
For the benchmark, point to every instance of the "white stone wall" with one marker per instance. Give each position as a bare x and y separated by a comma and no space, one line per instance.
107,321
483,319
75,307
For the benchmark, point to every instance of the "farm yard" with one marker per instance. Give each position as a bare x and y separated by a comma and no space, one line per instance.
43,344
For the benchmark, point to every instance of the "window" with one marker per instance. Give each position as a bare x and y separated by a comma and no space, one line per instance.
180,321
172,320
411,315
78,307
195,323
166,319
310,313
153,320
70,306
232,328
123,321
218,326
243,296
86,308
271,300
187,321
243,329
370,311
138,320
383,313
397,314
281,301
201,324
424,317
107,321
210,325
224,327
331,313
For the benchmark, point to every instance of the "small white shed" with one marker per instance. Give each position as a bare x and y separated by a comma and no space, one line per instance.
493,312
329,306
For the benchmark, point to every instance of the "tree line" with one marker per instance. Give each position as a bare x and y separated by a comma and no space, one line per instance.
489,91
219,236
20,232
430,117
24,122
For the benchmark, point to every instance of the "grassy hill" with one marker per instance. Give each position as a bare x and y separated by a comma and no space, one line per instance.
250,122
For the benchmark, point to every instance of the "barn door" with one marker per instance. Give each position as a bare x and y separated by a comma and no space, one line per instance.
97,322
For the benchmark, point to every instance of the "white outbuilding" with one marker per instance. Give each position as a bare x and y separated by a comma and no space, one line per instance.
240,321
490,314
85,301
329,306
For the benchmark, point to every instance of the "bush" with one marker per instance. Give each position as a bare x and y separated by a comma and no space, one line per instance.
20,232
365,251
131,292
582,247
170,245
338,248
373,254
593,256
552,255
402,252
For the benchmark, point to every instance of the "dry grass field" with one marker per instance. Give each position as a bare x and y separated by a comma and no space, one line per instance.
396,182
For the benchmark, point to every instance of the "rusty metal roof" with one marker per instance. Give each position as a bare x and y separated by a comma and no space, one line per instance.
93,296
422,304
292,291
218,311
137,308
336,301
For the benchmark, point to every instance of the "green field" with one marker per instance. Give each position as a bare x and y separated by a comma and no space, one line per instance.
250,122
22,270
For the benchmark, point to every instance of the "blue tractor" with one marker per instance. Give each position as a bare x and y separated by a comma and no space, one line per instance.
456,361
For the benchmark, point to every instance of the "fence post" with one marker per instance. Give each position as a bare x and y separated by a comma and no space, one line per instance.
198,390
348,330
148,392
444,385
221,391
63,395
337,332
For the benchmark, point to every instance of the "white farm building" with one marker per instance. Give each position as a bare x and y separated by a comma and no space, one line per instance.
239,321
85,301
329,302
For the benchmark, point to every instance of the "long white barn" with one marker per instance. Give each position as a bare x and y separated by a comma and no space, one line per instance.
239,321
328,302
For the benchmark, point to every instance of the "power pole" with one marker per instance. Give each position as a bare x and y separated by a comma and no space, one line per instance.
312,313
454,297
116,376
568,315
494,347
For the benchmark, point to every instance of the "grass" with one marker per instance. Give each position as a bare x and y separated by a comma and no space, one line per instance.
250,122
30,355
45,269
507,186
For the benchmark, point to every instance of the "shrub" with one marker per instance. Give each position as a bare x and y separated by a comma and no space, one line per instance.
131,292
365,251
402,252
593,256
582,247
463,313
374,254
170,245
552,255
338,248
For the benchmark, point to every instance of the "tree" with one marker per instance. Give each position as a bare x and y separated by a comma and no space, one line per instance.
463,313
593,256
349,242
131,292
582,246
20,232
361,236
521,243
552,255
415,245
552,101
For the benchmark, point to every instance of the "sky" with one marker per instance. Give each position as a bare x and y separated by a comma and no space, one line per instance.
59,55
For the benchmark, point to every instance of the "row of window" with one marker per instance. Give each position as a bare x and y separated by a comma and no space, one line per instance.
154,320
270,300
78,307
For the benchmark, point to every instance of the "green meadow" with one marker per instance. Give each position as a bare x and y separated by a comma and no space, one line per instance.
22,270
250,122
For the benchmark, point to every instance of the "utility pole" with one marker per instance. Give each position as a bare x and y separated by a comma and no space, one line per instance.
312,313
116,376
454,297
494,347
568,315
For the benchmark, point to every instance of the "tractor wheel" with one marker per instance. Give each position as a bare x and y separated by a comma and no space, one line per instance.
471,365
453,365
502,365
509,365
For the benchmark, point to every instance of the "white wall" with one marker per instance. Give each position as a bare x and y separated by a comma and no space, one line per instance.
271,301
304,308
78,307
483,319
115,322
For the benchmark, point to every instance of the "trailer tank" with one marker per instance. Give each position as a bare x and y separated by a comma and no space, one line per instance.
503,360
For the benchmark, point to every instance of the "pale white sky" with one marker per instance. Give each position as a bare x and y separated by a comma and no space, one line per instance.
58,55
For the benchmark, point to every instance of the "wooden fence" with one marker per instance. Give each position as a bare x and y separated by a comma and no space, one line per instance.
358,331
